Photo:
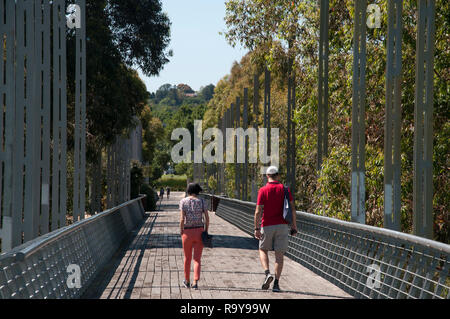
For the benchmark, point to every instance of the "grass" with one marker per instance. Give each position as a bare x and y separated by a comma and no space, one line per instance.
175,182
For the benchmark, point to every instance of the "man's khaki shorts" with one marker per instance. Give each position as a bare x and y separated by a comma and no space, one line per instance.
274,237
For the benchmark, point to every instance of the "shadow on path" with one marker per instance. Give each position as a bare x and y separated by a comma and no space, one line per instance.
99,285
245,289
133,249
119,277
238,242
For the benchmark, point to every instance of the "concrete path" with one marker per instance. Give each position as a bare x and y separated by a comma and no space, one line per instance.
150,265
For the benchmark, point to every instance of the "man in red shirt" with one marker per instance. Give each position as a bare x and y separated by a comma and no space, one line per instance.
274,231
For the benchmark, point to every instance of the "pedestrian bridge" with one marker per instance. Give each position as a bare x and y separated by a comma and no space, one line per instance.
125,252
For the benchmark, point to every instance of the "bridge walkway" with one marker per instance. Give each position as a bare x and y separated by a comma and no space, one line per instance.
150,265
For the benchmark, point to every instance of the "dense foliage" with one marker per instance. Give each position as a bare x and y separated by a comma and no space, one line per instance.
269,30
120,37
177,106
117,42
139,187
175,182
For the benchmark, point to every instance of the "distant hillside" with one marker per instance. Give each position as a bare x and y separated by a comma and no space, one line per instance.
168,99
176,106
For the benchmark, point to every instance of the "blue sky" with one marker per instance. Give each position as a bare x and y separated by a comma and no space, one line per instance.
201,55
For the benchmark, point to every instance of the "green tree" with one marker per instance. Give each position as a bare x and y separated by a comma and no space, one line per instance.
174,114
162,92
152,132
272,29
184,89
117,34
207,92
136,180
141,32
267,29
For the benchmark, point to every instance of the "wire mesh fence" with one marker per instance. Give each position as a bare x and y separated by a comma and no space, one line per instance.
365,261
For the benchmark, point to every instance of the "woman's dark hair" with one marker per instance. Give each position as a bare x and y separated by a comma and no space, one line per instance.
193,188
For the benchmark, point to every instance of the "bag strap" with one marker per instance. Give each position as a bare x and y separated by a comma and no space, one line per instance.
286,196
286,193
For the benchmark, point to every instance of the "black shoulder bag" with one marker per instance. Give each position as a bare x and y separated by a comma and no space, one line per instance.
206,238
287,211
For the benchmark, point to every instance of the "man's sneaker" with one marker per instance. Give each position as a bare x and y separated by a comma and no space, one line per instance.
195,286
267,282
276,287
186,284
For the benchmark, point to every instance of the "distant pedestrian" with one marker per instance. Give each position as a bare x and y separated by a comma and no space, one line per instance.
161,193
274,231
194,220
168,192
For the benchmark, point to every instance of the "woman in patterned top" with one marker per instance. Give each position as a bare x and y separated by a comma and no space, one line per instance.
192,225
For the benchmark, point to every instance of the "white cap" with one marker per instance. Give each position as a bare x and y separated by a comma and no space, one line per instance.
272,170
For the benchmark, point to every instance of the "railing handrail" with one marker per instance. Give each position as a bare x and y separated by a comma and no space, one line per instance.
343,252
27,249
362,227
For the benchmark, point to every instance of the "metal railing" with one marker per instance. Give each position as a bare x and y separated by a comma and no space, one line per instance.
207,198
364,261
39,268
